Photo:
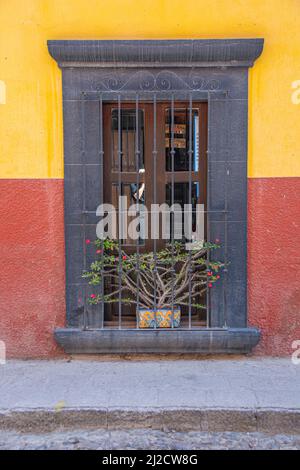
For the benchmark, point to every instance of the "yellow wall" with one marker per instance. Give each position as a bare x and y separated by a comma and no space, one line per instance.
31,119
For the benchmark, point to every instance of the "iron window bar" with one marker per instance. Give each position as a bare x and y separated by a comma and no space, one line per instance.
101,155
137,162
207,211
208,205
172,210
190,154
154,156
120,219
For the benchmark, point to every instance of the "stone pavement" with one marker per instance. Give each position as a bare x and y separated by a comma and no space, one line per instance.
146,439
208,395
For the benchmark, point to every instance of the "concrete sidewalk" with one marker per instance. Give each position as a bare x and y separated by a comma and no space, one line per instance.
208,394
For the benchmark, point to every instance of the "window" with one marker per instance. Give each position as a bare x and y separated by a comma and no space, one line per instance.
120,93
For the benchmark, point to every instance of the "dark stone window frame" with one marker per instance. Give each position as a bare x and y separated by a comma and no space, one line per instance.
212,70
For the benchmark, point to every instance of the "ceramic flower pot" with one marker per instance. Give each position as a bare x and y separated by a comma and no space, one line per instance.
163,318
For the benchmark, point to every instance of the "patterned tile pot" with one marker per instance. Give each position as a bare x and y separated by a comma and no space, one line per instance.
163,318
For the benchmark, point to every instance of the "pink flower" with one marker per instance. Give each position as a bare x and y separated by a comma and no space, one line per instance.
87,241
98,252
93,296
210,284
217,240
124,257
209,273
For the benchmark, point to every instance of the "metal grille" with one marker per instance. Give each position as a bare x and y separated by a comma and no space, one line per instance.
98,311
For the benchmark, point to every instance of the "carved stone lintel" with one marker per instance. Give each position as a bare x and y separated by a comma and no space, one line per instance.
156,53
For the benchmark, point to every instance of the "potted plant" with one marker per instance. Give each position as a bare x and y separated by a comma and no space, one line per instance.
170,277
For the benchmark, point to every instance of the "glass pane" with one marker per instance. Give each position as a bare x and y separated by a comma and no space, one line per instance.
181,139
128,140
181,193
133,231
181,197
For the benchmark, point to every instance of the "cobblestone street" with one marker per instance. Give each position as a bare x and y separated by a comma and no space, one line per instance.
145,439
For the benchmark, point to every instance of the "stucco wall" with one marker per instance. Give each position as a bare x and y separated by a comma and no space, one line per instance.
32,278
31,163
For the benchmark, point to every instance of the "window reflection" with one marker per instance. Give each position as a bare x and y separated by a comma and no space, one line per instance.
181,142
133,197
128,140
181,197
181,193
